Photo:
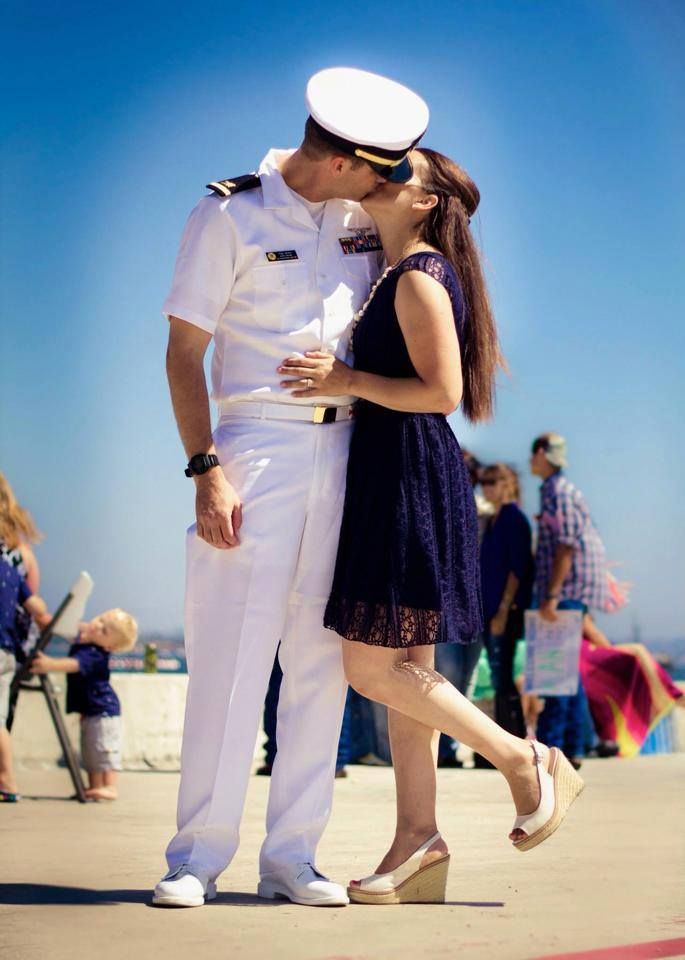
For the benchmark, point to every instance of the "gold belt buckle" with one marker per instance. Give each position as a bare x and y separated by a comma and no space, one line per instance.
325,414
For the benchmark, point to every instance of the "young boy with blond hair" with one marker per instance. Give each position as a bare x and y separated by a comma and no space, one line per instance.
90,693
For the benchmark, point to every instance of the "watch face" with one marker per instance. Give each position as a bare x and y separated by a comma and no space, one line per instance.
202,462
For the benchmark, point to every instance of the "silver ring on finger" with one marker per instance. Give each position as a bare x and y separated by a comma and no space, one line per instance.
309,382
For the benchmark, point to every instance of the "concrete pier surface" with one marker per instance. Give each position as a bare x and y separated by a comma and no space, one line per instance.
75,880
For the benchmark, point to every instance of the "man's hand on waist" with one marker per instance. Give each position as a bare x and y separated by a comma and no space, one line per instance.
218,510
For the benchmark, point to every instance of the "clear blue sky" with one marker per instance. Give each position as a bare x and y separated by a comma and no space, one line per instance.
569,116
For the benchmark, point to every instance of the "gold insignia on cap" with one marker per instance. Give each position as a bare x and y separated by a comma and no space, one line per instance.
376,159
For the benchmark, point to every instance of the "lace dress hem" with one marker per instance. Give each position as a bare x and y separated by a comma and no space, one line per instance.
382,624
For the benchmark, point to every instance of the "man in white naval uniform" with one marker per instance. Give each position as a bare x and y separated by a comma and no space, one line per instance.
272,265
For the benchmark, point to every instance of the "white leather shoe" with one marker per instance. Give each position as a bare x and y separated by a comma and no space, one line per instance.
302,883
181,888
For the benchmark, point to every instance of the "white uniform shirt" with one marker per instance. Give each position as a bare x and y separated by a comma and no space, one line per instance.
256,272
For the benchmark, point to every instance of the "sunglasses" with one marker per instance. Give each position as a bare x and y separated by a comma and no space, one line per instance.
489,481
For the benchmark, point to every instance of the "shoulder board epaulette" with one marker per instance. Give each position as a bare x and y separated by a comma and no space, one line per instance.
227,188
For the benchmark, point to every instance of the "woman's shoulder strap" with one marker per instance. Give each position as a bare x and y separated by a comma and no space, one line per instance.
426,261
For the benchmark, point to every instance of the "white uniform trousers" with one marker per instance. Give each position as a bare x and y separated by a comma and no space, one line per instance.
290,476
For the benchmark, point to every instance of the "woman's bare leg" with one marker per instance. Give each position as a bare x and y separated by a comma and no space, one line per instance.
421,693
414,756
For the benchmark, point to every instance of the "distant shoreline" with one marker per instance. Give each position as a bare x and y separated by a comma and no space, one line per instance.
135,663
171,656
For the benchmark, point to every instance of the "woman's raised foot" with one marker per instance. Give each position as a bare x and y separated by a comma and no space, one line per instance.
524,782
558,785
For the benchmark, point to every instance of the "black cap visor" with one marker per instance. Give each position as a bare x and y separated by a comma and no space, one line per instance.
397,167
399,173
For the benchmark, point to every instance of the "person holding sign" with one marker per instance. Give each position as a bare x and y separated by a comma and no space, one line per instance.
571,574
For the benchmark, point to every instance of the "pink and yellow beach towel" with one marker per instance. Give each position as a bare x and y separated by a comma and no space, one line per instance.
628,691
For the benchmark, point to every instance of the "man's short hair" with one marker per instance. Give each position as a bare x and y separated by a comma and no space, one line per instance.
554,447
316,147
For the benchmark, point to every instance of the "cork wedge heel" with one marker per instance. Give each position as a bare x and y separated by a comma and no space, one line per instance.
559,787
408,883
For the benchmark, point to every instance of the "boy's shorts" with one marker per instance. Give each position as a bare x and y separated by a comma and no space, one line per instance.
101,744
8,665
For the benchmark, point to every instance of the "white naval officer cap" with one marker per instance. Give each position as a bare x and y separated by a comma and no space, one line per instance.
368,116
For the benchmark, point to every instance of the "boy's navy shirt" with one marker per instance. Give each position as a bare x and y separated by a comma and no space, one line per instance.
89,692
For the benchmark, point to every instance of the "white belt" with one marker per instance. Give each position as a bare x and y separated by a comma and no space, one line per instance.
284,411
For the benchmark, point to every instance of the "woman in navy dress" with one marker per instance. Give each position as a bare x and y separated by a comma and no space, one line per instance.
507,574
407,572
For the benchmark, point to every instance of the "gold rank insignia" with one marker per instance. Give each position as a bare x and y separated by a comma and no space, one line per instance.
228,188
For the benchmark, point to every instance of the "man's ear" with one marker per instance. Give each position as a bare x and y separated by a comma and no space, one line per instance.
336,165
425,203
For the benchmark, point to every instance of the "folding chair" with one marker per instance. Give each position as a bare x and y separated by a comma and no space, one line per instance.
63,624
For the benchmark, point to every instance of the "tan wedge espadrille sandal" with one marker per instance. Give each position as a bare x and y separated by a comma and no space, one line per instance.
559,787
408,883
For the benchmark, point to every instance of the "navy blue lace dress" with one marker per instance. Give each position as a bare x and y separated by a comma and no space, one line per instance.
407,570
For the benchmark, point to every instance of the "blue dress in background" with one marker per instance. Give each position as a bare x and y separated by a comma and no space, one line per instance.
407,570
506,548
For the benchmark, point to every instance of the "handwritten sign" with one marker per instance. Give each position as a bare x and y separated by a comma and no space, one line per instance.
553,653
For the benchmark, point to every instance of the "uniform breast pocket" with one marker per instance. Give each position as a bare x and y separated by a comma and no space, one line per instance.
357,277
280,292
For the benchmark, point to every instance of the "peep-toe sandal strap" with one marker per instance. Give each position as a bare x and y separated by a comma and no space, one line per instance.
384,882
530,822
559,787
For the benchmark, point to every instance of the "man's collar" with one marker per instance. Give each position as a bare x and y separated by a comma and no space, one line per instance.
548,481
275,190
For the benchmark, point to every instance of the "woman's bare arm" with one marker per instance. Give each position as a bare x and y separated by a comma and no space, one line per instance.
425,315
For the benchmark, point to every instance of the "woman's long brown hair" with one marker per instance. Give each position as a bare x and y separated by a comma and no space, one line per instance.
16,524
447,229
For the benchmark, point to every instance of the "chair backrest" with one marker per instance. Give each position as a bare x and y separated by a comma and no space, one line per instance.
64,623
71,610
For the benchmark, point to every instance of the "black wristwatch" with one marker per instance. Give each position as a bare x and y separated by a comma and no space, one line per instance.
201,463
